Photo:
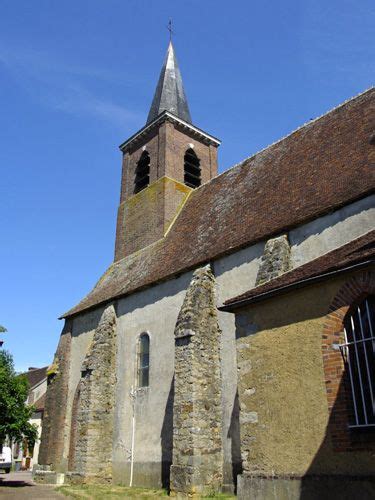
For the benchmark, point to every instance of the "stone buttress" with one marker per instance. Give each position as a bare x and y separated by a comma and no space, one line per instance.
90,457
197,428
54,419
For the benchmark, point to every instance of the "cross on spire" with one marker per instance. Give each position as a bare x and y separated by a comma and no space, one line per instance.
169,28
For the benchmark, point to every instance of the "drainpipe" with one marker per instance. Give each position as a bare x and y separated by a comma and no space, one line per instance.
133,394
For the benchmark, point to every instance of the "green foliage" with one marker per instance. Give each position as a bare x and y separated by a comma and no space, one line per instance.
3,329
54,368
14,413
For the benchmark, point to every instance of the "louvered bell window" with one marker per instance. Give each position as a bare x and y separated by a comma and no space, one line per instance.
142,173
192,170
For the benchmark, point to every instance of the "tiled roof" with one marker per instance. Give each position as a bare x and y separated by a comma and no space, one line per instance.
358,251
316,169
36,375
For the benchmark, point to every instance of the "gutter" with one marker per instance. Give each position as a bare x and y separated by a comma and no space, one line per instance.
298,284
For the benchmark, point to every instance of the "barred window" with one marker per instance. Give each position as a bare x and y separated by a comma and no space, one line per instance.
359,356
143,360
192,169
142,173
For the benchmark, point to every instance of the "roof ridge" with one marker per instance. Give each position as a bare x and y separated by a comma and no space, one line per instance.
242,162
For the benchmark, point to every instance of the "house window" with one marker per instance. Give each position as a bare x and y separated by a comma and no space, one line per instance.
359,355
142,172
192,170
143,360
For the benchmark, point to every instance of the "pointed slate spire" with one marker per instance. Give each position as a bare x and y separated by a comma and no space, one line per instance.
170,94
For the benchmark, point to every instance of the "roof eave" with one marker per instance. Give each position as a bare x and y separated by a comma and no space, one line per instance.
167,115
292,286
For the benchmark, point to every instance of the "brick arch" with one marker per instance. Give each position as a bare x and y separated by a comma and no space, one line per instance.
336,380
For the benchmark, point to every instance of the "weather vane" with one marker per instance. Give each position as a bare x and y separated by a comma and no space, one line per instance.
169,28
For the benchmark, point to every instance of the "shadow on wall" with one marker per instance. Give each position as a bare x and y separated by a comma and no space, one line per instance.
74,428
338,470
234,435
344,463
167,439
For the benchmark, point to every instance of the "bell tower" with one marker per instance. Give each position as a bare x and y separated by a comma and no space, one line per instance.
162,164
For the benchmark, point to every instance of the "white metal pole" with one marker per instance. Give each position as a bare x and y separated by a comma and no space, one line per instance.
132,395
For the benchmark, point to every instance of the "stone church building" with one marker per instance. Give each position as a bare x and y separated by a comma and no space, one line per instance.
218,351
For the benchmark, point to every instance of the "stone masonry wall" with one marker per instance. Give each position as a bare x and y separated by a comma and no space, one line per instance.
95,414
197,441
54,420
275,259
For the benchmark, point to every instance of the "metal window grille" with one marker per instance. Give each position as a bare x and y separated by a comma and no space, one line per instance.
143,360
359,356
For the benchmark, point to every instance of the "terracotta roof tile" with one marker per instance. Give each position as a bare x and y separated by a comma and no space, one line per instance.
35,375
40,403
321,166
358,251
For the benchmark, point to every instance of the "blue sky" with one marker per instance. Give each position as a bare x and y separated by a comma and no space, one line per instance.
77,79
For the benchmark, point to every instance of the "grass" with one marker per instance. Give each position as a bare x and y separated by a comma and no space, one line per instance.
109,492
98,491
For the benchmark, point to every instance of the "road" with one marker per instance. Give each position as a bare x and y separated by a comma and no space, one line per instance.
19,485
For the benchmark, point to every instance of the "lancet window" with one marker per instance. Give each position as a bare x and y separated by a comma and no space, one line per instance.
143,360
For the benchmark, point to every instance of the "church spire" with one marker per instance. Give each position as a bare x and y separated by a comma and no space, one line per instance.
169,93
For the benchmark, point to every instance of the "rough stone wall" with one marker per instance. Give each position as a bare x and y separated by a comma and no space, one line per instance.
197,440
94,433
54,420
275,259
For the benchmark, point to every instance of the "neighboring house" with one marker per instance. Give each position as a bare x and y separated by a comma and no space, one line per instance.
37,378
143,388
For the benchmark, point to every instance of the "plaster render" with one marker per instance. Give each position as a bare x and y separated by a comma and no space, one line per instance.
331,231
282,364
154,311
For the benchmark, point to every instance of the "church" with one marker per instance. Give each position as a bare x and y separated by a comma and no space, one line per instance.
229,347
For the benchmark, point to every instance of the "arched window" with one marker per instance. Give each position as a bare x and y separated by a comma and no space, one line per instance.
359,355
143,360
192,170
142,172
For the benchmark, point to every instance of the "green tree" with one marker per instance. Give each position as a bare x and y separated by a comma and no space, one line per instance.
14,412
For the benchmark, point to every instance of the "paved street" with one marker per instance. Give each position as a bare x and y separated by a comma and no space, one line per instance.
19,485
